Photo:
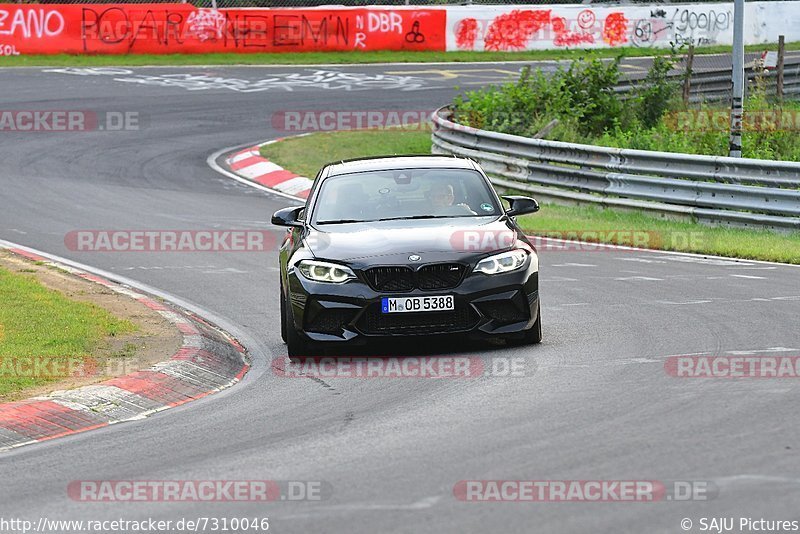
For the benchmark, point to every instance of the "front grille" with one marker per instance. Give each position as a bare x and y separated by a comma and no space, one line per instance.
429,277
329,320
377,323
440,276
390,278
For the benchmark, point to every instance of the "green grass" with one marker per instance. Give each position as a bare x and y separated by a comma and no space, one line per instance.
771,142
41,325
305,155
591,223
308,58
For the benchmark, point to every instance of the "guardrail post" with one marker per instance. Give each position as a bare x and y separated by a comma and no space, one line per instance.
687,81
781,53
737,99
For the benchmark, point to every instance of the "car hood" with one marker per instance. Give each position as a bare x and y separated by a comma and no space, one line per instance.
394,241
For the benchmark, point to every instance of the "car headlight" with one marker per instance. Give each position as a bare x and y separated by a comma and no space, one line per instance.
502,263
321,271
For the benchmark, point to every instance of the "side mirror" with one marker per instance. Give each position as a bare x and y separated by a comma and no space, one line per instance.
288,216
520,205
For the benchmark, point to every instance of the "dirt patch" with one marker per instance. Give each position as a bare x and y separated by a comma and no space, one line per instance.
154,340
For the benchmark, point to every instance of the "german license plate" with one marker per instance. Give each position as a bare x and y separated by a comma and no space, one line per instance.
431,303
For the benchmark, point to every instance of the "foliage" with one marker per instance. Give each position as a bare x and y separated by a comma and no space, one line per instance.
581,96
655,95
651,117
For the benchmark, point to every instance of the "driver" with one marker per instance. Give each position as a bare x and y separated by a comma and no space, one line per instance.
441,196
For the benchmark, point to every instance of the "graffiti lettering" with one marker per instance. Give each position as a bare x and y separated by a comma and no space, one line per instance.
385,22
565,37
183,28
647,31
318,79
711,21
686,26
361,40
299,30
116,25
511,31
91,71
517,29
36,23
206,24
8,50
120,28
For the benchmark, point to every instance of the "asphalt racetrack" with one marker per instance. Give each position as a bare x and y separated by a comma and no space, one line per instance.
595,402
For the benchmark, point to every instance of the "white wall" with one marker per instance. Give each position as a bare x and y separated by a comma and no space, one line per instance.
587,26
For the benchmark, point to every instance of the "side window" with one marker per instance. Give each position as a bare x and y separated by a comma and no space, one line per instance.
314,186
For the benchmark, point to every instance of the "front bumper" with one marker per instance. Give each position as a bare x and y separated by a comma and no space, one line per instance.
485,306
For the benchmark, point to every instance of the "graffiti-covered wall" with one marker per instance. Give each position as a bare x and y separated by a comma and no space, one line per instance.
182,28
585,26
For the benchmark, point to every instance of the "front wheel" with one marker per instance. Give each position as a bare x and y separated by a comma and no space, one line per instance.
296,345
283,315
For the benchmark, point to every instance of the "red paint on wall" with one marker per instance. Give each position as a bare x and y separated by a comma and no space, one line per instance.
466,33
511,31
564,37
182,28
615,29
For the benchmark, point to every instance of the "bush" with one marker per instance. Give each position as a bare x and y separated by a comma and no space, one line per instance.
583,99
581,96
656,95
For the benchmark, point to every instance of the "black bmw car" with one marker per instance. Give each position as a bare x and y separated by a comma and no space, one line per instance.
406,246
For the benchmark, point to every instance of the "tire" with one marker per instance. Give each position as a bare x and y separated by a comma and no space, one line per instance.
295,345
283,315
531,336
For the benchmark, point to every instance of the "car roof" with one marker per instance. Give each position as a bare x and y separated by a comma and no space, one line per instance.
384,163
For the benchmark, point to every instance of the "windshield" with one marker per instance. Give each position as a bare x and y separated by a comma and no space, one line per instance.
404,194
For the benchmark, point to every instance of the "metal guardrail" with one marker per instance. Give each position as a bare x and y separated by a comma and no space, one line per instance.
714,85
712,189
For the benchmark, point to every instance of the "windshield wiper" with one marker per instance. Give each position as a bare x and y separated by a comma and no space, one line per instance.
341,221
411,217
